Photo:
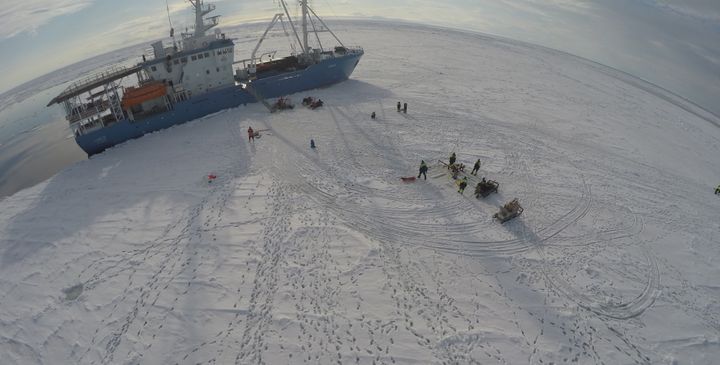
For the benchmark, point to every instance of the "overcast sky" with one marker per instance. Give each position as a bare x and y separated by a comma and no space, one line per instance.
673,43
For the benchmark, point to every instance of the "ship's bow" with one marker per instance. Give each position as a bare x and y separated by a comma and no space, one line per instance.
352,59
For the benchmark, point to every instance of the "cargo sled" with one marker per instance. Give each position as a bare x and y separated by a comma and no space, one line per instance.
485,188
509,211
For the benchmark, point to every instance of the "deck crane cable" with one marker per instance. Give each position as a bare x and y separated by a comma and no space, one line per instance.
317,36
287,34
334,15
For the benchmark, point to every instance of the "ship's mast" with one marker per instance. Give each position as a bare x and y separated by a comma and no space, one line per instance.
199,22
306,15
304,5
200,26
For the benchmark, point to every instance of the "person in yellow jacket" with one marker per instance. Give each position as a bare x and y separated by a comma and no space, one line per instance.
462,185
423,169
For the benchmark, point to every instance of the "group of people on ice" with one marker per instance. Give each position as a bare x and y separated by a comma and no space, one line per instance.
455,169
483,188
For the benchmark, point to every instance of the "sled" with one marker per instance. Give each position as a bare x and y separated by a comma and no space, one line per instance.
509,211
455,169
460,166
486,188
408,179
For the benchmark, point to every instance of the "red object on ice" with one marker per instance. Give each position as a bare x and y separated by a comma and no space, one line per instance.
408,179
211,177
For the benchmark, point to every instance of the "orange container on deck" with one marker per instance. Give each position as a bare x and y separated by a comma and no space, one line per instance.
138,95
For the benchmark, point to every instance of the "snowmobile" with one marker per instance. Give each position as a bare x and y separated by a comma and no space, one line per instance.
282,104
312,103
485,188
509,211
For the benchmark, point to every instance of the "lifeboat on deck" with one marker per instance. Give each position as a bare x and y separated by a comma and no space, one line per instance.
137,95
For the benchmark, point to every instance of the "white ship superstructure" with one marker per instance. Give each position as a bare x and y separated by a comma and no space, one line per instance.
197,63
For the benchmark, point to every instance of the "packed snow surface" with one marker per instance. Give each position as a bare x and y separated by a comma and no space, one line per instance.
300,256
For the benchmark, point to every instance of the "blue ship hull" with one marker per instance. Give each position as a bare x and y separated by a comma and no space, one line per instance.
324,73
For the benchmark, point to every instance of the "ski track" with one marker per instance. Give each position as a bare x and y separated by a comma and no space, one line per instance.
391,225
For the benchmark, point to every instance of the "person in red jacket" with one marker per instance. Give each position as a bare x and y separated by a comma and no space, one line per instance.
251,134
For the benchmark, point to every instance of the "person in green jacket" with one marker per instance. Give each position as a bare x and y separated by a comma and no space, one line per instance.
423,169
476,167
717,190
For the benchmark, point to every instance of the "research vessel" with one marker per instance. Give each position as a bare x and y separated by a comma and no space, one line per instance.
196,75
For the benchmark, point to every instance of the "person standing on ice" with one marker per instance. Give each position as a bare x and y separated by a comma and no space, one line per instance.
476,167
462,185
398,106
423,169
717,190
312,143
251,134
452,159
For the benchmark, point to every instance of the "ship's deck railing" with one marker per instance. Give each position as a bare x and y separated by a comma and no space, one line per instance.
94,81
107,74
78,115
354,49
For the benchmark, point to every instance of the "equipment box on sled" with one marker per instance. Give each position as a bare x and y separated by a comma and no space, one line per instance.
509,211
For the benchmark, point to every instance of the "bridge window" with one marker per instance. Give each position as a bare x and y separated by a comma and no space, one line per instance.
207,54
183,60
200,56
153,68
193,57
